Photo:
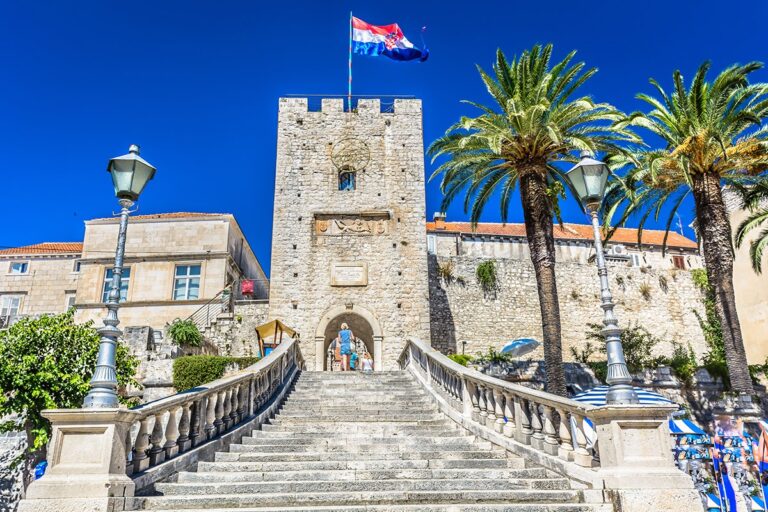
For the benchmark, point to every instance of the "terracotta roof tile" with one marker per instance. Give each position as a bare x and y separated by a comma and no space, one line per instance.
46,248
569,232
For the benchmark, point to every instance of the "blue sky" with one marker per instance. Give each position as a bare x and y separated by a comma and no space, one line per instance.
196,84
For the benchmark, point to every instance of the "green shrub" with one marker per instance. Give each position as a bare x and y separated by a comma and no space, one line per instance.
486,276
462,359
193,371
682,362
184,332
638,344
493,356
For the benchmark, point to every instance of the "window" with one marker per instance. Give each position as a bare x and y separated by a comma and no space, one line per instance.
124,280
431,244
635,260
18,267
186,286
70,300
678,262
9,309
76,266
347,180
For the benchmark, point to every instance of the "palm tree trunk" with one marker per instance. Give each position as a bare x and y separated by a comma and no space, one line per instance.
717,244
538,229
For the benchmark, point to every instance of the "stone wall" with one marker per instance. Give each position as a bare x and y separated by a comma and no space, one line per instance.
350,255
235,335
12,444
465,319
46,287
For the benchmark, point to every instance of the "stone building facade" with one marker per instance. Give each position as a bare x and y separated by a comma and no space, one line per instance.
349,240
651,288
38,279
178,262
751,289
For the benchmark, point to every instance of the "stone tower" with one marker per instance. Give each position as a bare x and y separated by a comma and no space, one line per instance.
349,236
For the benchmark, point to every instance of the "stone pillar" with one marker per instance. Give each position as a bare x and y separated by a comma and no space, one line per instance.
378,353
636,462
86,462
320,355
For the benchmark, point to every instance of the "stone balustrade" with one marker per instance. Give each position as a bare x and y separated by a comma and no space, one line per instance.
99,458
631,463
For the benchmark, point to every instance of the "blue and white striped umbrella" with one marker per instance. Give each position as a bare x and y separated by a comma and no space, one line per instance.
757,504
683,427
713,502
596,396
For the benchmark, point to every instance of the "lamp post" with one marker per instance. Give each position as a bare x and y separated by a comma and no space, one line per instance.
130,174
589,178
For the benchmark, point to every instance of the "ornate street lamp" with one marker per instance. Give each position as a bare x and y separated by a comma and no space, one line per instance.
130,174
588,179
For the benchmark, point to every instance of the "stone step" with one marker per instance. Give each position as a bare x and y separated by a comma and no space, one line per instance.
344,440
384,455
341,419
533,474
379,428
393,436
269,465
355,448
423,507
357,410
311,486
314,404
357,497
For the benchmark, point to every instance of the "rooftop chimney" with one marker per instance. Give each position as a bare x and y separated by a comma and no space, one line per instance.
439,218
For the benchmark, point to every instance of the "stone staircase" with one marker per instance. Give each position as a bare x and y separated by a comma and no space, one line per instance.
353,442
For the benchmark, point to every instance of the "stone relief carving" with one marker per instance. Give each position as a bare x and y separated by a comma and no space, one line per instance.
348,225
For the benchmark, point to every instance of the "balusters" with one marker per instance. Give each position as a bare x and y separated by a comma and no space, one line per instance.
474,393
490,401
171,446
221,426
235,405
550,439
509,414
498,400
226,409
197,422
581,455
537,438
210,415
129,452
483,402
565,450
157,453
140,456
185,424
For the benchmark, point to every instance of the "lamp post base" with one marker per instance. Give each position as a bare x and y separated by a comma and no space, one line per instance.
621,394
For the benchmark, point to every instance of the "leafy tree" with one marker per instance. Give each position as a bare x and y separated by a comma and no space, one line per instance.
712,138
47,363
535,122
755,199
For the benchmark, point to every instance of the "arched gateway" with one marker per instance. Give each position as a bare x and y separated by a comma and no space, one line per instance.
363,324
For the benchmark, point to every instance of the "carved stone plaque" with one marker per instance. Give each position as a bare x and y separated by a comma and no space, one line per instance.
351,224
349,274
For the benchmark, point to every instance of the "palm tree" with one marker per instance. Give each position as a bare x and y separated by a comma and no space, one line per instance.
755,199
712,139
534,122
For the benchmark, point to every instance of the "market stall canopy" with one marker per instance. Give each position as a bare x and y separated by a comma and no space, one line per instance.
597,396
274,328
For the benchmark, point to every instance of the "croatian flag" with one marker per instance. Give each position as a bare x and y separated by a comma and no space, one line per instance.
387,40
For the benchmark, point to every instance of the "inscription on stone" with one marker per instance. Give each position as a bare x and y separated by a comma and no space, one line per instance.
349,274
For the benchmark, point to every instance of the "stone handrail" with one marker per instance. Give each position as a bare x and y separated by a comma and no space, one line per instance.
547,422
173,425
634,467
99,458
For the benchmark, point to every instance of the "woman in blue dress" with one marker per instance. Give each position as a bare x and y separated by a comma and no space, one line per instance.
345,338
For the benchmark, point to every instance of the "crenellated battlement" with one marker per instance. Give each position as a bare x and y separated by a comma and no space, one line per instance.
360,105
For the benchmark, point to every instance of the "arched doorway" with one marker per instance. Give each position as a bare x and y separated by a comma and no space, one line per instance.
363,324
359,326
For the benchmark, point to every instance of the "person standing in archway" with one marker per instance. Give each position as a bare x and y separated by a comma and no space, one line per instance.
345,338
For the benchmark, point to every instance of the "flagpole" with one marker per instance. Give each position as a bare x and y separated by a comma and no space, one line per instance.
349,82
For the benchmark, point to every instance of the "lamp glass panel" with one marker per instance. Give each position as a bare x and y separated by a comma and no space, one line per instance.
141,176
577,180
